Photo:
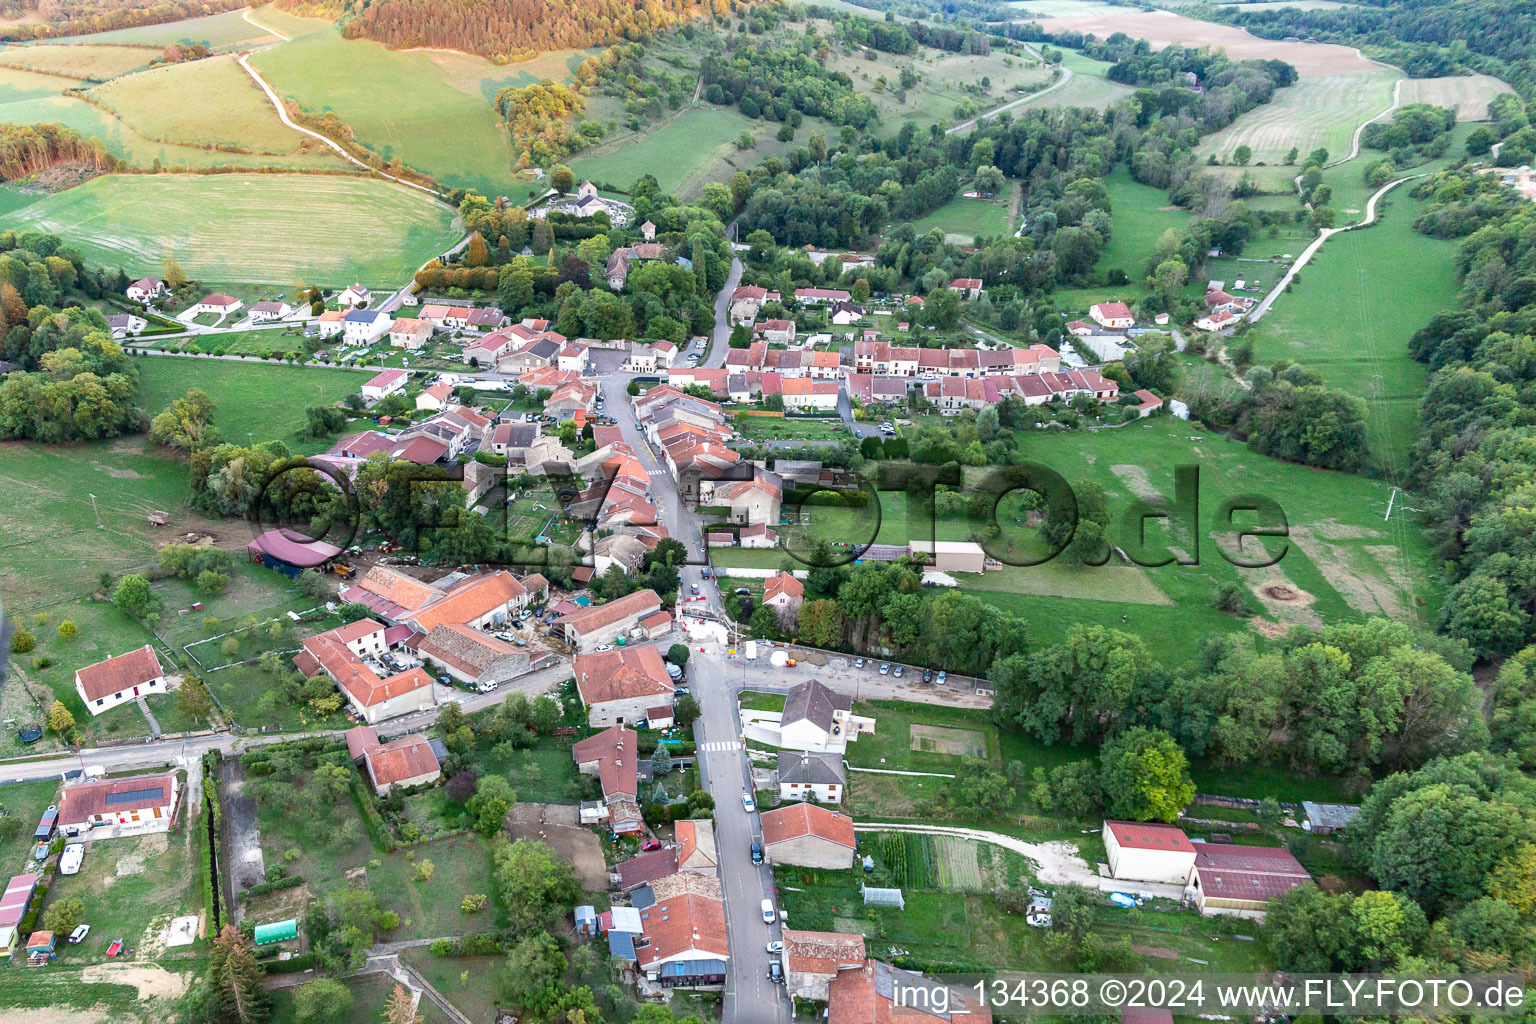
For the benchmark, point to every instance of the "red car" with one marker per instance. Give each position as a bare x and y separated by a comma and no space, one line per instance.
651,844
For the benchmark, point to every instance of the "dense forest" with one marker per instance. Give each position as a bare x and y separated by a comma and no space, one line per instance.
54,18
1476,454
69,380
1426,38
506,30
26,149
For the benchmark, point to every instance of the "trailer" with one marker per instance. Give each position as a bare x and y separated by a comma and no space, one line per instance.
48,825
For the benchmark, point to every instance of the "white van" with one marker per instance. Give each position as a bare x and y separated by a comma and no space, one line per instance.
768,914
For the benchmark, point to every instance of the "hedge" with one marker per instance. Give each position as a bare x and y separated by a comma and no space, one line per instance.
262,888
293,965
373,821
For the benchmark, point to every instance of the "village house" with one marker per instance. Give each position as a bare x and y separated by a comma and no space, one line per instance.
821,296
817,719
684,942
1147,403
610,757
478,602
329,323
784,593
815,395
619,687
1115,315
124,325
406,762
966,287
135,805
353,296
775,332
844,313
808,836
807,776
409,333
146,290
488,318
217,303
386,382
745,302
434,397
1217,321
365,326
812,959
266,312
337,653
877,993
759,536
1148,852
127,677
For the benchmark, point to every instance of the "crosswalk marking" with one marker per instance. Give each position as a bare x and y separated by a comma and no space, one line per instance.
723,745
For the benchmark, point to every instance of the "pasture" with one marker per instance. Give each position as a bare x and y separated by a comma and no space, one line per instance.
430,109
1353,312
253,228
1318,111
682,153
1139,216
79,61
267,398
30,98
204,102
214,31
963,219
1469,94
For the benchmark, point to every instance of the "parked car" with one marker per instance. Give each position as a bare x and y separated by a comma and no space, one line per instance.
757,852
943,675
885,668
743,590
486,687
768,914
78,935
897,670
776,972
747,803
776,946
858,663
927,675
602,648
650,844
694,587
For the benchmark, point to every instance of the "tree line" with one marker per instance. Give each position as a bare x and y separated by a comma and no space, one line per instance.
81,17
26,149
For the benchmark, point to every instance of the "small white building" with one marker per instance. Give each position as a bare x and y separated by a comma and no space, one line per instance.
266,312
808,775
112,808
352,296
1115,315
146,289
1148,852
386,382
124,325
217,303
127,677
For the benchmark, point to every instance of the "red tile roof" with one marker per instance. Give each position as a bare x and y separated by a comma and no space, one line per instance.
84,800
685,924
621,675
471,599
801,819
1247,872
1137,835
640,603
821,952
408,757
614,752
123,672
783,583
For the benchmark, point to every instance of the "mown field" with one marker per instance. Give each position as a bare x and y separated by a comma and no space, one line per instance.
204,102
681,153
258,228
430,109
966,219
1318,111
82,61
1353,312
1139,216
1469,94
213,30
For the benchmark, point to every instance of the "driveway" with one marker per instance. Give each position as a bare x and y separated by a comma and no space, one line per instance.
1056,863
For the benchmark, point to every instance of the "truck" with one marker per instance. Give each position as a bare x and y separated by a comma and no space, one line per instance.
751,650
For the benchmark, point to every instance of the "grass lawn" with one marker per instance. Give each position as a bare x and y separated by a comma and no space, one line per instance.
370,994
1353,312
543,772
204,102
25,801
50,991
751,700
428,910
1140,214
431,109
891,744
790,428
132,888
474,996
676,152
266,399
969,218
265,228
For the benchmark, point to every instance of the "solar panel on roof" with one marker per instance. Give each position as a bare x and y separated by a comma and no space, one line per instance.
135,795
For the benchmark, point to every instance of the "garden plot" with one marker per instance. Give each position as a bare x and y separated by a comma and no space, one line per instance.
944,739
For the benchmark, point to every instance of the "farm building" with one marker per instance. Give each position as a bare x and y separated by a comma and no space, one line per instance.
951,555
129,676
808,836
471,656
290,553
603,623
408,761
334,652
1148,852
813,959
1243,879
1325,819
1147,403
621,687
112,808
